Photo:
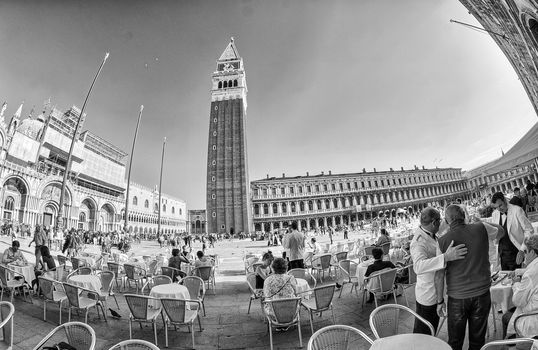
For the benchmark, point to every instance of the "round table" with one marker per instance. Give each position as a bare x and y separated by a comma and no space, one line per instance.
26,270
501,294
90,282
410,342
361,271
88,260
170,291
303,288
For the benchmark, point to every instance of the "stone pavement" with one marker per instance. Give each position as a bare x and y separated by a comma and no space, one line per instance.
226,326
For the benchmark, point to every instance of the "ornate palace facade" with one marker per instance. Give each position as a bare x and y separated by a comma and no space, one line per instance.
32,162
332,199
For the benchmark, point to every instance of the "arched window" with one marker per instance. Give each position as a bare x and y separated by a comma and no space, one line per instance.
82,217
301,206
9,203
284,208
180,212
275,208
220,84
235,82
256,209
173,210
146,204
265,209
135,200
230,84
225,84
310,205
156,207
164,207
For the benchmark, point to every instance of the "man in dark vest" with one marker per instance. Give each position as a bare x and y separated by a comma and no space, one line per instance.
468,280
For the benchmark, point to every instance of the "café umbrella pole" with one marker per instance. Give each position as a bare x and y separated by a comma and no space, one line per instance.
160,191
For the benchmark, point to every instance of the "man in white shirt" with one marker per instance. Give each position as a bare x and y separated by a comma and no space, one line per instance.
426,263
294,242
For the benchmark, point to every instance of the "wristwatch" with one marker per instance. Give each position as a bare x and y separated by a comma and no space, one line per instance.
441,302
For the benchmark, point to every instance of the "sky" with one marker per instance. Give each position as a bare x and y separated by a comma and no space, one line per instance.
336,85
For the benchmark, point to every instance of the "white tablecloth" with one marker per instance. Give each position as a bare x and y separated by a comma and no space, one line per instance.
90,282
361,271
410,342
501,295
27,271
88,260
302,287
172,291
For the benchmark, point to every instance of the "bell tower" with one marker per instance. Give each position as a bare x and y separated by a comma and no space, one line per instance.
228,198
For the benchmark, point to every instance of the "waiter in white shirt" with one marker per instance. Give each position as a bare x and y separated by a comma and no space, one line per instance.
426,262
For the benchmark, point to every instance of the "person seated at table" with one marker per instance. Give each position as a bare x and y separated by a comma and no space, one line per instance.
383,238
377,265
175,261
263,271
186,253
13,254
525,294
313,245
202,260
402,276
278,285
46,264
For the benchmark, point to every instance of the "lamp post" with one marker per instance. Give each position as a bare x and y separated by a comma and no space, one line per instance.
160,190
59,219
126,221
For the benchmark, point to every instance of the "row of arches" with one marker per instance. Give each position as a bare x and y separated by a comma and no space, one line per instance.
335,203
156,206
151,219
226,84
151,230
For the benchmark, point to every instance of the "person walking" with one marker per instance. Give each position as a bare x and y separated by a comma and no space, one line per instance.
294,243
40,239
468,280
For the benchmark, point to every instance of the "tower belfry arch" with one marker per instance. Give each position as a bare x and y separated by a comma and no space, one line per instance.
227,197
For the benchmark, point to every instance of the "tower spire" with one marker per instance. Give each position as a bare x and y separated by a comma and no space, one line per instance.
230,52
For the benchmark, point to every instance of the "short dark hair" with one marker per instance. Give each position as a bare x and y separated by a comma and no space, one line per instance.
516,189
175,252
313,239
377,253
497,196
45,251
294,225
199,254
15,244
268,255
384,232
280,265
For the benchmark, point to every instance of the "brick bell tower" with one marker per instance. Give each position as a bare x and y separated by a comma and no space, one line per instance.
228,198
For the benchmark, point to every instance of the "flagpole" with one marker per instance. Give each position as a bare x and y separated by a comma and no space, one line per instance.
59,218
160,190
126,221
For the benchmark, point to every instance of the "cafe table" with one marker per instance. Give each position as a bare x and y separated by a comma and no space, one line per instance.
27,270
412,341
169,291
90,282
501,293
361,271
303,288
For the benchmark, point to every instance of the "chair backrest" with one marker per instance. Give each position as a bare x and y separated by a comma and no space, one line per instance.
298,273
251,281
129,271
3,275
204,272
339,337
138,305
47,287
7,310
174,309
76,263
195,285
72,294
152,267
532,317
114,267
386,248
324,296
62,260
502,344
341,256
325,261
58,272
285,310
107,277
385,320
79,335
383,280
345,266
161,279
134,344
85,270
168,271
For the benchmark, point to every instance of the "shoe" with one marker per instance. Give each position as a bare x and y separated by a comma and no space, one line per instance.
371,300
338,286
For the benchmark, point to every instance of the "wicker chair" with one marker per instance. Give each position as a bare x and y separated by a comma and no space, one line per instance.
386,320
62,260
141,313
380,283
338,257
77,334
286,312
207,274
304,274
116,268
13,283
368,251
152,268
520,318
386,248
7,310
172,272
348,270
80,271
79,302
196,288
107,277
177,314
320,301
502,344
77,263
51,295
134,344
338,337
321,263
412,281
155,281
134,273
254,293
249,261
57,273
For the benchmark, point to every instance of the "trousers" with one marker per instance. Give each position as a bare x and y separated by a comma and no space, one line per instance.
473,312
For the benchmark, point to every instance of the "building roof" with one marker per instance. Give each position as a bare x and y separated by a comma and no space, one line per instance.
230,53
524,150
